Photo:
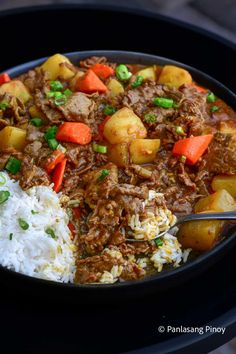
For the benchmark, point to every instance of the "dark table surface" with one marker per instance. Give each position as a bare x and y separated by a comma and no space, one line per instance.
34,321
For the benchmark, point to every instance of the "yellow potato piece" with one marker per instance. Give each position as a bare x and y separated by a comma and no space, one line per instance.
54,66
148,73
16,88
35,112
119,154
124,126
143,150
225,182
228,127
173,76
12,137
199,235
115,87
218,201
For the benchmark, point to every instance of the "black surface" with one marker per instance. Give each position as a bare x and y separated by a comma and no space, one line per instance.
32,324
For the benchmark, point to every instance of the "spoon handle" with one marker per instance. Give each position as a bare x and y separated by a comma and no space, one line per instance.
228,215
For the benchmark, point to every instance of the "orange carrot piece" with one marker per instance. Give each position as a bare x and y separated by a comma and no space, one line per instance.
102,71
56,157
199,88
58,174
77,212
74,132
192,148
4,78
90,83
72,230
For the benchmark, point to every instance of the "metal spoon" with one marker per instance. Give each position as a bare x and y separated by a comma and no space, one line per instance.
228,215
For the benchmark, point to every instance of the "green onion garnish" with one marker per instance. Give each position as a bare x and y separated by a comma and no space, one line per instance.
138,81
56,85
163,102
33,212
10,236
103,175
53,144
123,73
150,117
13,165
4,106
37,122
183,159
99,148
60,101
214,108
50,133
4,195
211,97
109,110
158,242
179,130
2,179
50,232
67,92
23,224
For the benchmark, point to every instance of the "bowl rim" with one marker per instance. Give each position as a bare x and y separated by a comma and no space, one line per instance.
166,275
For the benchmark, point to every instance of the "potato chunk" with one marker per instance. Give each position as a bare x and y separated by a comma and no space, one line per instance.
12,137
173,76
143,150
124,126
225,182
218,201
115,87
16,88
119,154
55,66
148,73
228,127
199,235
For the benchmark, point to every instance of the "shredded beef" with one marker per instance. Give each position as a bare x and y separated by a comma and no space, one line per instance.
77,108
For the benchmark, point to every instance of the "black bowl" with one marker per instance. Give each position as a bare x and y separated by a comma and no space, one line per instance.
167,278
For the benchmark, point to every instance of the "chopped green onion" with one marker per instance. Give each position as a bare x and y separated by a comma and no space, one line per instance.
4,195
37,122
99,148
33,212
53,144
4,106
179,130
23,224
150,117
60,101
183,158
163,102
10,236
13,165
138,81
2,179
123,73
67,92
211,97
56,85
158,242
50,232
103,175
50,133
215,108
109,110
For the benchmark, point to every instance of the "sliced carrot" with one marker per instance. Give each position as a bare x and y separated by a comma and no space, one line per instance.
58,174
103,71
77,212
90,83
74,132
56,157
200,89
4,77
192,148
72,229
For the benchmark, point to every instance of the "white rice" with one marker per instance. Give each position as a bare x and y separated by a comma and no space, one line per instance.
34,252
